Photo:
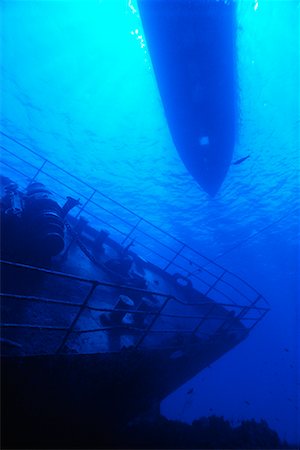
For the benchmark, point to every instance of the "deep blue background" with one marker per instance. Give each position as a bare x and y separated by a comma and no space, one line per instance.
78,87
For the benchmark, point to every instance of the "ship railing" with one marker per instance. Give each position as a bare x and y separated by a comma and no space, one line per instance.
169,323
128,228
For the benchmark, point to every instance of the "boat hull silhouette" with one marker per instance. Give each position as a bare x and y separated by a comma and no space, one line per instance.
192,48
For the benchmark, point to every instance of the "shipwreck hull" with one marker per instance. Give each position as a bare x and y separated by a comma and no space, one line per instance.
83,400
98,324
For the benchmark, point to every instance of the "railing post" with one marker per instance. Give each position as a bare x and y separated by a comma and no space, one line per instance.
259,319
77,316
243,312
131,231
174,257
215,283
38,171
256,300
155,317
86,203
204,319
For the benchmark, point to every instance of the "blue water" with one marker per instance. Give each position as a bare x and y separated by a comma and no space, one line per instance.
78,87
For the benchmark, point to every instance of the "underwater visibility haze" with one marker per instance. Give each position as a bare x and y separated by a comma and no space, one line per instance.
79,87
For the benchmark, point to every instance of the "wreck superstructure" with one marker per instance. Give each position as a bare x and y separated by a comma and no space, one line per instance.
103,313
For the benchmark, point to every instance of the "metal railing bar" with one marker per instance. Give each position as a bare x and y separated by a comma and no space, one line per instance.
127,223
233,303
156,314
171,261
39,327
144,233
177,265
84,280
85,205
122,328
212,286
14,169
38,299
132,311
63,184
106,223
77,316
194,252
122,232
221,280
71,175
251,318
125,328
129,328
104,209
46,271
22,145
152,323
22,159
128,210
227,272
203,319
153,252
217,279
230,299
258,320
40,170
161,347
163,315
257,299
244,311
202,269
131,231
232,286
243,282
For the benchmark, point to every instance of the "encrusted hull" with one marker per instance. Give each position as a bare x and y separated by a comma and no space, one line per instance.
71,400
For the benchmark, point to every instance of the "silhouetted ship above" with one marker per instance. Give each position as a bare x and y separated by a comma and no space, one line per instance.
192,44
103,314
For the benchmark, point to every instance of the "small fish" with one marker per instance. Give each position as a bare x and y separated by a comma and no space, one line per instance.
247,403
286,349
190,391
239,161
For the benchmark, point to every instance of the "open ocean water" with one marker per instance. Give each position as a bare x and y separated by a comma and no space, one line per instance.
78,88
